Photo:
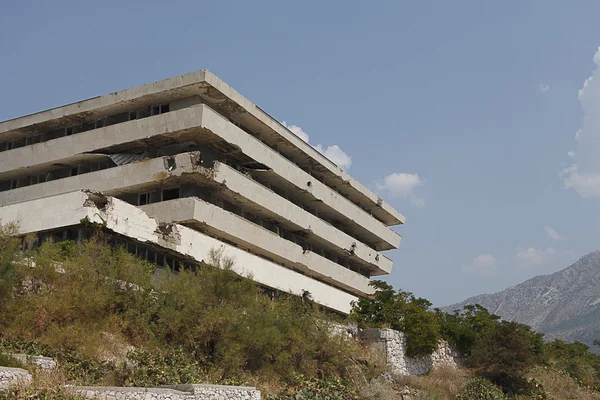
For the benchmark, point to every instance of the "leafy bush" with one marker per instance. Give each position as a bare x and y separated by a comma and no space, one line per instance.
576,360
479,388
464,329
8,361
508,348
154,369
303,388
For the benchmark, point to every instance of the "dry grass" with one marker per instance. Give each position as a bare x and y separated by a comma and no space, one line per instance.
560,386
440,384
377,389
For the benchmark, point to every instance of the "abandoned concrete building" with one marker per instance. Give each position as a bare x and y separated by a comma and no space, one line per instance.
186,166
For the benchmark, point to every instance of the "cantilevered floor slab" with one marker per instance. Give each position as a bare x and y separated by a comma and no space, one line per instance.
255,239
227,101
222,181
67,210
202,125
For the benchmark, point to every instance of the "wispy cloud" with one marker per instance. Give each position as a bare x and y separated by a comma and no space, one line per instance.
484,264
401,185
552,234
333,152
297,131
337,155
533,256
543,88
584,174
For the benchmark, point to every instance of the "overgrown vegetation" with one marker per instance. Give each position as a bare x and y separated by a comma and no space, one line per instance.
500,353
108,320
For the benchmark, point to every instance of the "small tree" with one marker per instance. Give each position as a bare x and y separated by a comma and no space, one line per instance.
401,311
464,329
508,348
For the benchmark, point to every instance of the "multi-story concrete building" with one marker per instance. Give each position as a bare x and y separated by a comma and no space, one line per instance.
185,166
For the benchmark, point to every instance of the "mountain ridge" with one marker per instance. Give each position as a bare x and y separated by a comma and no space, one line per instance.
564,304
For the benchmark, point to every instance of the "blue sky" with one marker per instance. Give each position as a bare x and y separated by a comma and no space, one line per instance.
469,108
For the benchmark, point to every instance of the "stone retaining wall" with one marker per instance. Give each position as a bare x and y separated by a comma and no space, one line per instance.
13,376
175,392
392,345
45,363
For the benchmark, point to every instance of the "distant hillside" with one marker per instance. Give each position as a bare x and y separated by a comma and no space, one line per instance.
565,304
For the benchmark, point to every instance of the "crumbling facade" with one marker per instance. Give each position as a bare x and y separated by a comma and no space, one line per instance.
181,166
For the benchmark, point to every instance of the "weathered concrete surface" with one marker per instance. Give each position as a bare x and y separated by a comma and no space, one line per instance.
199,123
257,240
216,92
10,377
302,220
122,218
185,168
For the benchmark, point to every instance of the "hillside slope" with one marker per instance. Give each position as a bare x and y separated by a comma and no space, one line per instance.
565,304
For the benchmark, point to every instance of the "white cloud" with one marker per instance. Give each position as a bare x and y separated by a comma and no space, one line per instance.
584,174
485,264
336,155
543,88
297,131
402,185
333,152
552,234
533,256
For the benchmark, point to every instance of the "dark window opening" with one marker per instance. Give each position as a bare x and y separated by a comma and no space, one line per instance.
170,194
143,199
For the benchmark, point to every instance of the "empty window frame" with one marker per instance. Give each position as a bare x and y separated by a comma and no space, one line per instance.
159,109
169,194
143,199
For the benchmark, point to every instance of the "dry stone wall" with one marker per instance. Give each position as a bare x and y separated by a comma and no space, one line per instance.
176,392
392,345
45,363
13,376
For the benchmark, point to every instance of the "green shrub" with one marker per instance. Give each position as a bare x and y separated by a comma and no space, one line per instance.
508,348
303,388
86,302
8,361
465,328
154,369
479,388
